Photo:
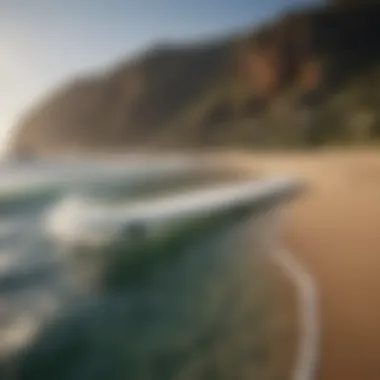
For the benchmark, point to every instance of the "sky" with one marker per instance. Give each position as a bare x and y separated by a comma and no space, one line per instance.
43,43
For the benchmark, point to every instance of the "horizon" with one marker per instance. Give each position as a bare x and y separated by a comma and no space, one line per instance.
93,35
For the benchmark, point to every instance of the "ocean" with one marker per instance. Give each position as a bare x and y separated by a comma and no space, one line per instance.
134,268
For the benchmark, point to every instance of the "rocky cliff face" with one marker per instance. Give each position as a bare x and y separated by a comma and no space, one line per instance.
253,89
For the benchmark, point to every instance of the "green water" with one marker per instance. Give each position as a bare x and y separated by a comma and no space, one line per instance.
190,304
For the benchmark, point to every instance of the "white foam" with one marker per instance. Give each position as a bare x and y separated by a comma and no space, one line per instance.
76,220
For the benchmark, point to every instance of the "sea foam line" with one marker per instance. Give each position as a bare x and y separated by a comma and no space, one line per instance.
308,347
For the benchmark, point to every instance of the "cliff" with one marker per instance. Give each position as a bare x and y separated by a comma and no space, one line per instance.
309,77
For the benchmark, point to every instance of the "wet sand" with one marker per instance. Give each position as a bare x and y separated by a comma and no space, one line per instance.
334,231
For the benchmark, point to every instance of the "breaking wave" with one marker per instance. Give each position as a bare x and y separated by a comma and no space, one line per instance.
63,228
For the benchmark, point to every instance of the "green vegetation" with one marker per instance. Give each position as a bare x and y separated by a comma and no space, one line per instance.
308,79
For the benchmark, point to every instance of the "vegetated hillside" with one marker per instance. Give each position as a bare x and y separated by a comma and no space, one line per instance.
308,78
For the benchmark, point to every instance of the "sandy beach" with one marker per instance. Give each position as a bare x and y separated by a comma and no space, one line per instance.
334,232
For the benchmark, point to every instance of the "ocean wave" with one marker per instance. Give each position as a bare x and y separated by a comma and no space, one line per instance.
81,220
69,225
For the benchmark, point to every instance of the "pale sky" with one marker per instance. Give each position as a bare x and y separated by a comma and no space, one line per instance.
45,42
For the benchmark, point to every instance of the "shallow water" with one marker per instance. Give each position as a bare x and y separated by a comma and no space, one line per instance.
193,305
